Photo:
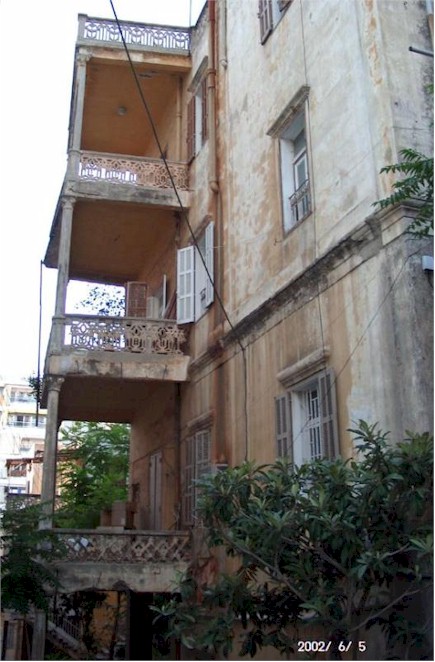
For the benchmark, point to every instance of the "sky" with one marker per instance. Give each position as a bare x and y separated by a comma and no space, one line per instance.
37,42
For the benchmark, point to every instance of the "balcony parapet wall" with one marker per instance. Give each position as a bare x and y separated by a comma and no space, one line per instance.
116,334
133,171
124,547
136,35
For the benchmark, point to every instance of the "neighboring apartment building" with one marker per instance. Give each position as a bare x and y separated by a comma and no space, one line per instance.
275,121
22,431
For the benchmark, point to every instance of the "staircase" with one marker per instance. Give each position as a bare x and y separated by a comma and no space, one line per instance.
66,635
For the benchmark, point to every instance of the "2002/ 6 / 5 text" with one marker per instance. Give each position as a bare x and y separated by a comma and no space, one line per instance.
318,646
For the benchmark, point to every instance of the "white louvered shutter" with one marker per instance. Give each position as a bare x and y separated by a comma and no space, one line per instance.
185,284
328,413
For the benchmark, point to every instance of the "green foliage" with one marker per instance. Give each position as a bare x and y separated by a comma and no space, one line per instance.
105,300
26,577
93,472
321,545
415,185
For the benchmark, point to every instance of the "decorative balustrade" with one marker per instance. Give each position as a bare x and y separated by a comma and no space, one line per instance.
138,35
135,171
124,547
122,334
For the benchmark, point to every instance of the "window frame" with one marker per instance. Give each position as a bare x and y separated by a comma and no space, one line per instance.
197,119
197,464
292,429
270,12
295,195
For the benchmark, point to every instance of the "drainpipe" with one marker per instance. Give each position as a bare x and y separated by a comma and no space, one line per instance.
211,84
179,119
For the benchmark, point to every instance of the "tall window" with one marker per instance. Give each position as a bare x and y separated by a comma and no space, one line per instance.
197,120
197,464
195,266
306,420
295,172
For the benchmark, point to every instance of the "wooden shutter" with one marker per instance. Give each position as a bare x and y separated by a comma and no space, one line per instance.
136,299
189,475
191,129
202,453
265,16
283,427
328,414
204,110
209,262
156,491
185,284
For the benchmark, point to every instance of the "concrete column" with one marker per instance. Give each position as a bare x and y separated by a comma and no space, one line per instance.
77,117
39,634
64,254
48,490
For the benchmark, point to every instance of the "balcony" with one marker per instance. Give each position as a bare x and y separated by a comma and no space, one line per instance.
142,560
127,178
146,37
108,363
118,334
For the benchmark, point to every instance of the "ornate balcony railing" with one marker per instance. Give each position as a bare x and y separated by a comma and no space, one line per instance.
124,547
135,171
300,202
159,37
120,334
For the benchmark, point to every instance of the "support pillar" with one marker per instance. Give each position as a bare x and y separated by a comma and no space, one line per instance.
48,490
64,254
77,119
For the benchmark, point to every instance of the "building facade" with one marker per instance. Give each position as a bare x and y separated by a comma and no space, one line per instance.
22,431
227,176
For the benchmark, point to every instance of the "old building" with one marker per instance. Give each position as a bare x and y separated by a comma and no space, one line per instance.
22,430
226,175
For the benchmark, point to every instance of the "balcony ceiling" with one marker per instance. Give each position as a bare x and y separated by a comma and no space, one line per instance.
106,400
110,91
112,242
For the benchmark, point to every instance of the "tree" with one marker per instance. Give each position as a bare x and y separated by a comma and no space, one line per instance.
26,577
93,472
105,300
331,548
416,185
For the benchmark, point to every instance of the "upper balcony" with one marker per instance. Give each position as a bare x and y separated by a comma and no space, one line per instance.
142,36
126,198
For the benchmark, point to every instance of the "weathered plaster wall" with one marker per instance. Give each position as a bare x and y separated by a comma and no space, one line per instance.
154,428
360,113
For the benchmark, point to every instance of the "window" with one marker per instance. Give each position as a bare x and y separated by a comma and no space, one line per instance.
195,266
197,120
197,464
25,421
21,396
270,13
296,196
305,420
